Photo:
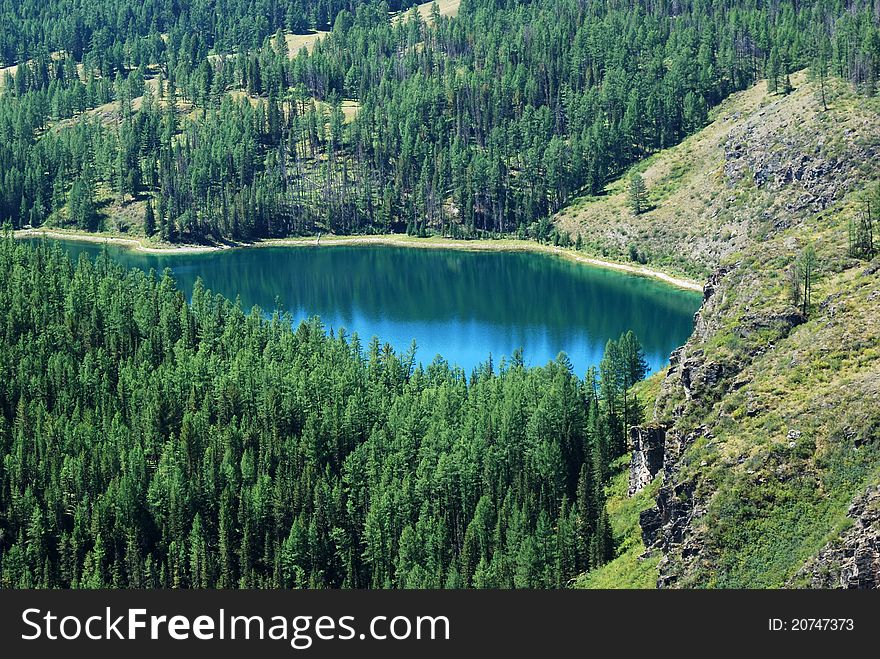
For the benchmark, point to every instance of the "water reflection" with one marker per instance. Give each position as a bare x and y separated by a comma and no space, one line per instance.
462,305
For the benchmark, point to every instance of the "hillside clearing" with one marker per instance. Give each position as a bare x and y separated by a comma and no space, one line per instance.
447,8
296,42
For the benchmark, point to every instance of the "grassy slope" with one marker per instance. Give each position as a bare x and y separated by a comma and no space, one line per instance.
683,230
630,569
446,7
792,436
793,445
296,42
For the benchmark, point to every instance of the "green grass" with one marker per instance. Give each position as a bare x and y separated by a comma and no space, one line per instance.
648,389
768,527
790,437
627,570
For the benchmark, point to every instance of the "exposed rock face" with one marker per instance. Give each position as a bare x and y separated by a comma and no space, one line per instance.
853,560
650,521
788,170
696,380
667,525
769,149
700,377
689,371
648,447
713,297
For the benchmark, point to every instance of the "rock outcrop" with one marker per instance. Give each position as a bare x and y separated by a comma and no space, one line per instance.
852,560
766,409
666,526
770,149
648,447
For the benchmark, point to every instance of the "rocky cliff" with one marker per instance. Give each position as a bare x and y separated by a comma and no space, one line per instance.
766,429
853,559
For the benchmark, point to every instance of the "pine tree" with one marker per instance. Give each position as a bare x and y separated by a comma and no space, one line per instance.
634,367
819,67
602,542
805,266
638,202
81,206
786,72
774,66
588,513
149,219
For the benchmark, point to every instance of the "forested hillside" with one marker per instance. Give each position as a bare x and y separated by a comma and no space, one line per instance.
764,446
152,442
193,121
149,442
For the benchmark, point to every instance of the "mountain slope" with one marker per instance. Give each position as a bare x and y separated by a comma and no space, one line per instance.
768,420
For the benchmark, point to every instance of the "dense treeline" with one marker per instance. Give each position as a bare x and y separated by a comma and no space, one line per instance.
150,442
108,30
483,123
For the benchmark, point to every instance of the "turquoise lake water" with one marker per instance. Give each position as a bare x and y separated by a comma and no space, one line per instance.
462,305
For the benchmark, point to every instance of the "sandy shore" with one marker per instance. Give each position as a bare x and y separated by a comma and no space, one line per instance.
509,245
131,243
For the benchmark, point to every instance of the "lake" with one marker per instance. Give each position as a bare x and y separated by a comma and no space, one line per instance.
462,305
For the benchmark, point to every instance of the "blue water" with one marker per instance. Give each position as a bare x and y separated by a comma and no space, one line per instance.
464,306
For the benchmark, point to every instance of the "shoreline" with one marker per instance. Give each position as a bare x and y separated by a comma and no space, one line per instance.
501,245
